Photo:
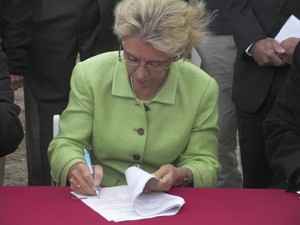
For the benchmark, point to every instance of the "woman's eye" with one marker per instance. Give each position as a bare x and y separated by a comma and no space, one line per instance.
153,64
132,59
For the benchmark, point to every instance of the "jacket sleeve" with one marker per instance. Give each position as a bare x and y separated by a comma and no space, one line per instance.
282,126
11,131
16,27
245,25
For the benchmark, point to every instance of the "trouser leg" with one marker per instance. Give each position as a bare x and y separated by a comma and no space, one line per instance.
256,170
218,55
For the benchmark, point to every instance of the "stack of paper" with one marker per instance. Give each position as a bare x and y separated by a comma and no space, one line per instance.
127,202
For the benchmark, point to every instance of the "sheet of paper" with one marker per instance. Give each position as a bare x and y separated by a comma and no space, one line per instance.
153,203
136,180
290,29
127,202
114,204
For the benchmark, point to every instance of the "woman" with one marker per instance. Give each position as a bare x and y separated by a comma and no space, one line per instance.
142,106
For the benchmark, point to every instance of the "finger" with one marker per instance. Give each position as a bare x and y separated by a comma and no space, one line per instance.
98,174
80,175
13,87
75,187
74,184
152,185
278,48
88,180
160,173
277,61
20,83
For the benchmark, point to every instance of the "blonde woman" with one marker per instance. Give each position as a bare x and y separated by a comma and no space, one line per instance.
144,105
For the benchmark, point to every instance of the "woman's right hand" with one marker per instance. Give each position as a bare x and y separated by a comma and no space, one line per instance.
81,180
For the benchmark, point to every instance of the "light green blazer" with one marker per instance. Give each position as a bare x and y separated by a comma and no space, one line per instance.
178,126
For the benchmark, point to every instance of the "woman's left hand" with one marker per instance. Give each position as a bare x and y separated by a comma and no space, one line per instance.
168,176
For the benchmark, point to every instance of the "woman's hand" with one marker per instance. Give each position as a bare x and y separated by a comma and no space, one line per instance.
81,180
168,176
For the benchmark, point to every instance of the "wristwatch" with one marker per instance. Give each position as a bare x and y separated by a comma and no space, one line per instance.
186,177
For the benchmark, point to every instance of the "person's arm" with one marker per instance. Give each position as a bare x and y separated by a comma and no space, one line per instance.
16,16
198,165
282,127
201,154
11,131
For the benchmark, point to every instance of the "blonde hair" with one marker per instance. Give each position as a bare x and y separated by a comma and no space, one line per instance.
171,26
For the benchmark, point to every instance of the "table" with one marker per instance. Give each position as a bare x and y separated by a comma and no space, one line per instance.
208,206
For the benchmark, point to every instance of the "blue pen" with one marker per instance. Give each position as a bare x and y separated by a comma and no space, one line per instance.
89,163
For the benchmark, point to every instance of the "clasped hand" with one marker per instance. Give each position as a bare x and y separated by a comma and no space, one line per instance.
269,52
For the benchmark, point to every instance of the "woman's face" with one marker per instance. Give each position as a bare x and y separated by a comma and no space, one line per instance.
146,65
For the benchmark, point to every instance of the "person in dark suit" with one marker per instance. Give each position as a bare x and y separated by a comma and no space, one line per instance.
261,69
15,29
63,29
282,132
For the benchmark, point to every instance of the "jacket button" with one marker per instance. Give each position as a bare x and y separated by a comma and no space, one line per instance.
146,108
136,157
140,131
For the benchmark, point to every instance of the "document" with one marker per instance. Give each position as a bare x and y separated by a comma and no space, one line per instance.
127,202
291,28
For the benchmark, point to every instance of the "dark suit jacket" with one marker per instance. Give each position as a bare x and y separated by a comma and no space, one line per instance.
15,32
252,20
106,8
282,129
107,23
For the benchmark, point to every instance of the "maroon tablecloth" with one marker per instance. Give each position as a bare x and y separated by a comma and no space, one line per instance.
55,206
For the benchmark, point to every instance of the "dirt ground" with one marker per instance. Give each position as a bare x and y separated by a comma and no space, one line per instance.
15,163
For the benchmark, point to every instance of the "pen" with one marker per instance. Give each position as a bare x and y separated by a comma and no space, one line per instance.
88,162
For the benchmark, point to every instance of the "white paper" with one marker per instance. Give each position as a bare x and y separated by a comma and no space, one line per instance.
291,28
127,202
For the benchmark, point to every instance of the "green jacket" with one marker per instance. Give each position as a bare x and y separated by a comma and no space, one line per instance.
178,126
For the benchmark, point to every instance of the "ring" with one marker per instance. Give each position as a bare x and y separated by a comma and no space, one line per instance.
78,186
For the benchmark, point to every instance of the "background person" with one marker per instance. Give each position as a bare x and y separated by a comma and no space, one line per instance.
14,37
62,30
282,132
142,106
260,71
